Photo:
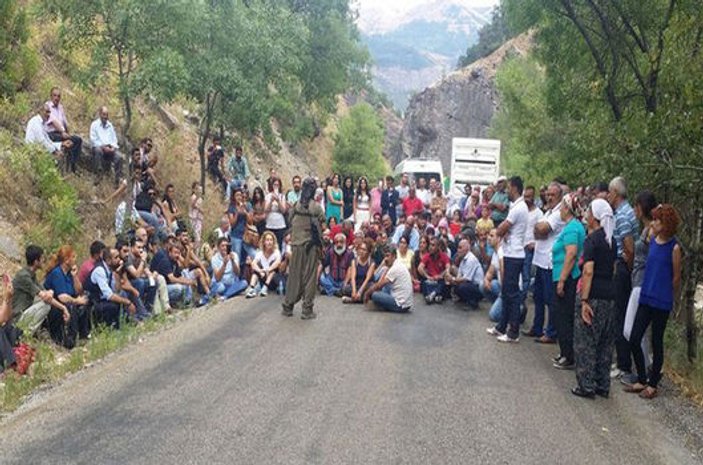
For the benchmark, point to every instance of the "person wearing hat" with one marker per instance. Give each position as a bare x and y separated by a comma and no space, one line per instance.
307,220
500,203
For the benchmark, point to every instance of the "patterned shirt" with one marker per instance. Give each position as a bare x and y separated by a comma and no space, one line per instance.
626,225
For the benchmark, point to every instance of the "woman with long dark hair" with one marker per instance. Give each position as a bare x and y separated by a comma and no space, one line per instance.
169,207
334,199
258,209
348,197
362,203
276,209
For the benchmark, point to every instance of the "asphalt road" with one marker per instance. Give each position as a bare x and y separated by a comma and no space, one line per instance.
241,384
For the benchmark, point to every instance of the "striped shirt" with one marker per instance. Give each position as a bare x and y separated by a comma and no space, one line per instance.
626,225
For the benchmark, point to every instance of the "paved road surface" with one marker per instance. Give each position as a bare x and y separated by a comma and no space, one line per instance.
240,384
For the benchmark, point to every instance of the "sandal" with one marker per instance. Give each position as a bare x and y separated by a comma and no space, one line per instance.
634,388
649,393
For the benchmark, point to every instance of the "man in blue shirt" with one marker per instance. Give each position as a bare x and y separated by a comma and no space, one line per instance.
626,230
407,229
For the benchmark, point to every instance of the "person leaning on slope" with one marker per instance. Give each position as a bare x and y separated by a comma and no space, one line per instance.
57,129
307,220
36,133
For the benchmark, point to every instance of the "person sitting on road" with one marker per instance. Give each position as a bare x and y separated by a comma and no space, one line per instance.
423,248
405,255
103,289
485,223
36,133
106,152
409,230
226,280
469,276
394,291
62,279
31,303
493,279
433,267
286,255
264,267
162,303
57,129
335,266
412,205
360,274
346,228
193,268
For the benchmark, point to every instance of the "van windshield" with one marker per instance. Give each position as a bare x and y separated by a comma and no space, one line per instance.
427,176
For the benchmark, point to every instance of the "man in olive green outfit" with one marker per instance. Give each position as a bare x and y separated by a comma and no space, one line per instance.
306,222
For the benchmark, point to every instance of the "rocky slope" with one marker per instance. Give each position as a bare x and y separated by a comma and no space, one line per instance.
460,105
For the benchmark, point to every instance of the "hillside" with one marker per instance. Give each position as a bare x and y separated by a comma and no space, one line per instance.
460,105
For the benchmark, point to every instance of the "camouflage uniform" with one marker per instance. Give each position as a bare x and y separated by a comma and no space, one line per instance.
305,257
593,346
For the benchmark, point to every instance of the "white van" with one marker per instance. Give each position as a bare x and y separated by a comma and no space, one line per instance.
417,168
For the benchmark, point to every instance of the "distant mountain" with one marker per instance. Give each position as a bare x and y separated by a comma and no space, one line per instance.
412,50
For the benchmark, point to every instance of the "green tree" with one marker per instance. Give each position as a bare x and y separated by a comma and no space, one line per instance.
17,60
358,144
490,38
138,42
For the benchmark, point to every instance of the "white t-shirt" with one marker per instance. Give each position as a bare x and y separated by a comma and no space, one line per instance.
401,284
543,247
275,219
217,260
496,262
265,263
425,195
514,241
533,217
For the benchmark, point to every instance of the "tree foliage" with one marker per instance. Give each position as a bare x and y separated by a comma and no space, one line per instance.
490,38
359,143
17,61
614,90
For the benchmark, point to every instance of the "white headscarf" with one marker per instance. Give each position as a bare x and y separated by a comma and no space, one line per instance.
604,214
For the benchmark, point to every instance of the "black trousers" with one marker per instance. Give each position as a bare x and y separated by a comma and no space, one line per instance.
647,315
9,337
564,318
74,153
623,288
469,293
65,333
107,313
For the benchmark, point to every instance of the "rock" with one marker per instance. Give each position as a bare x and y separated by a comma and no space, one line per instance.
10,248
167,118
460,105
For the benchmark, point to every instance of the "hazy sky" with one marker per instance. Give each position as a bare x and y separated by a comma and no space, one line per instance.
403,5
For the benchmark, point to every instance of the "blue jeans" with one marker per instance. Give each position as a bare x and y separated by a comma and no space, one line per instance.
140,312
468,292
238,245
146,291
526,280
227,287
493,294
428,287
179,293
329,285
544,298
386,301
510,319
153,221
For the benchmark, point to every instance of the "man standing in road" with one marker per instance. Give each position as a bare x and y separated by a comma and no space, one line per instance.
512,230
546,231
307,220
534,215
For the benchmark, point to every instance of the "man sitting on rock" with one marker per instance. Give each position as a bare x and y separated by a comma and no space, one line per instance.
105,146
31,303
36,133
57,129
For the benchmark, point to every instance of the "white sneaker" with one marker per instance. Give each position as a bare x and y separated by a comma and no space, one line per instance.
493,332
615,373
264,291
251,293
506,338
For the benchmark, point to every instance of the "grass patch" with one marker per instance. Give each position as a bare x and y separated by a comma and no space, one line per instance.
52,363
687,375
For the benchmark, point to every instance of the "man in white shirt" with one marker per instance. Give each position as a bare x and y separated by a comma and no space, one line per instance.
513,231
226,282
106,152
534,215
394,291
423,193
57,128
469,276
36,133
546,231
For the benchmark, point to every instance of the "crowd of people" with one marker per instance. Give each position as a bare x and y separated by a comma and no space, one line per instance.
601,270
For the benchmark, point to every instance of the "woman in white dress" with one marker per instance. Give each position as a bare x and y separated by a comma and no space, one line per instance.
362,203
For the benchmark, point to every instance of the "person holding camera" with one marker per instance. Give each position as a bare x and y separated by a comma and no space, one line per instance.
226,280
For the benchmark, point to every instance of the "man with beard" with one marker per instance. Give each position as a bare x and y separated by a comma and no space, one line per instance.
307,220
103,289
337,260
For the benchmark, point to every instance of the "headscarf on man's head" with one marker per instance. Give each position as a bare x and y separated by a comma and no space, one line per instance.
603,212
307,192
